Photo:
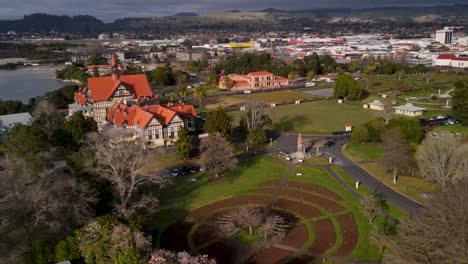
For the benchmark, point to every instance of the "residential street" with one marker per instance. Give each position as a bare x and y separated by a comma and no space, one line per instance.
288,142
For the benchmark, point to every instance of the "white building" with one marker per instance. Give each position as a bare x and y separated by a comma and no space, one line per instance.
444,36
409,110
451,60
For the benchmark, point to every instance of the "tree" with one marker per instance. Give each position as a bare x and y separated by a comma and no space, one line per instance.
257,136
310,75
183,143
353,66
442,160
258,115
106,240
163,75
163,256
212,78
217,154
182,92
227,82
130,256
410,128
200,93
347,86
397,153
120,164
51,199
360,134
460,102
293,75
67,250
437,233
218,121
371,206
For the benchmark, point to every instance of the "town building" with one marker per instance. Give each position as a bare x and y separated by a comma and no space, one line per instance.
444,36
409,110
253,81
451,60
375,105
191,55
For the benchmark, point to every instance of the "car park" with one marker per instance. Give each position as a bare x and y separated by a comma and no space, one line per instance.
175,172
194,169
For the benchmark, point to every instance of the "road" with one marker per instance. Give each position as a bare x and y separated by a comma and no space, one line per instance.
288,142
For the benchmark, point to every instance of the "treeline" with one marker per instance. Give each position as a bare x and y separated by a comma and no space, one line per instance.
373,130
47,51
250,62
59,99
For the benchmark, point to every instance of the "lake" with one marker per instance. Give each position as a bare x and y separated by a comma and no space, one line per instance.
22,85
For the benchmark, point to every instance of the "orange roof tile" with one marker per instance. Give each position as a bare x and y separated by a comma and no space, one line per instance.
102,88
162,114
259,73
80,98
182,109
133,115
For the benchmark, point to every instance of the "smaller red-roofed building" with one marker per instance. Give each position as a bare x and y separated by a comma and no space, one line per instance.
253,81
451,60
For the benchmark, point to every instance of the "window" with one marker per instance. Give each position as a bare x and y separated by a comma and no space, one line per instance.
172,134
157,136
150,137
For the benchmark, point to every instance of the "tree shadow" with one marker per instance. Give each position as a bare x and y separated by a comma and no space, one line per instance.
287,123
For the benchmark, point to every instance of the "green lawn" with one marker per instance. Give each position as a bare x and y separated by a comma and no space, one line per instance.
363,152
456,128
279,96
321,117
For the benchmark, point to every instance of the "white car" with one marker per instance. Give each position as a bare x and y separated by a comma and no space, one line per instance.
247,92
310,84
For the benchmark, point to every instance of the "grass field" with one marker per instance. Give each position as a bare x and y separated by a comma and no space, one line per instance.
457,128
279,96
363,152
321,117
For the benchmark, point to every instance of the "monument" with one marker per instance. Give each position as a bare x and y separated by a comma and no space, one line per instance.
300,155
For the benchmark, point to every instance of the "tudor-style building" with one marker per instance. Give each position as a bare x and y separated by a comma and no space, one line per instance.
121,105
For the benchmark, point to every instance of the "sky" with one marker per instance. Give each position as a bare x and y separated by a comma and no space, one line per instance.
108,10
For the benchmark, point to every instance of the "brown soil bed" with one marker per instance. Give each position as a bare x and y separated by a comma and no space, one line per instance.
296,237
297,208
271,255
325,236
204,233
175,237
350,233
308,188
306,197
223,252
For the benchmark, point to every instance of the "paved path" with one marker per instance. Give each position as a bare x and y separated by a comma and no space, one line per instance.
287,142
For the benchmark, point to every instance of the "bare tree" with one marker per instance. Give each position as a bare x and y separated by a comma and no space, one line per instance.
217,154
436,234
50,199
371,207
258,115
397,153
248,217
442,160
120,162
317,144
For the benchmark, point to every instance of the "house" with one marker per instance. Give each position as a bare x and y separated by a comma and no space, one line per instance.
333,77
409,110
376,105
254,81
103,92
156,125
8,121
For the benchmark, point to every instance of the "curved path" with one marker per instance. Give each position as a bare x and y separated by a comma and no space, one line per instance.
288,142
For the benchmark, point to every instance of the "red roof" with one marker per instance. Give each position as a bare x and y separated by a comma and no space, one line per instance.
102,88
182,109
260,73
133,115
280,78
162,114
446,57
241,82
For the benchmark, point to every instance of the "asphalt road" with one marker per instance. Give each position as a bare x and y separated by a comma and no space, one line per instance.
288,142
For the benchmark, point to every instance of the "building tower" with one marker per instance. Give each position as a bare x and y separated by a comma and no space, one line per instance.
114,68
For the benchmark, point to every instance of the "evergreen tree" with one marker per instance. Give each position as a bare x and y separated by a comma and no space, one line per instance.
183,144
218,121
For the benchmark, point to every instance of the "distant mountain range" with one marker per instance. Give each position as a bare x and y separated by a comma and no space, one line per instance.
40,23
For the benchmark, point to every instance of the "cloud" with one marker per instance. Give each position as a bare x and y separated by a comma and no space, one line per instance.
112,9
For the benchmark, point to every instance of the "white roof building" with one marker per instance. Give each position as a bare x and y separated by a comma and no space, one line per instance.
409,110
8,121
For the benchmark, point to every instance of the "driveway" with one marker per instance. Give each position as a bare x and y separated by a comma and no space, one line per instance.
288,142
327,92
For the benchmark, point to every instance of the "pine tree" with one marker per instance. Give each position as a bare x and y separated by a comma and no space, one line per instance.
183,144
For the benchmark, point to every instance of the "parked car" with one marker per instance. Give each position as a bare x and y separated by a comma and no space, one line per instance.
175,172
194,169
247,92
310,84
184,170
329,144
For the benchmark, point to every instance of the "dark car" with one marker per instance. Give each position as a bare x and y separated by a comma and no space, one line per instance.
184,170
194,169
175,172
329,144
